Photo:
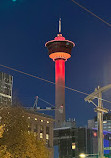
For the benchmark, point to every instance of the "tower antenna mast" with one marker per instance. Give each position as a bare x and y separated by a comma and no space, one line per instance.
60,25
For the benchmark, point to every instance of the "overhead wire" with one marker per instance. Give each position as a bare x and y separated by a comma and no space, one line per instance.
27,74
45,101
84,8
22,72
54,107
72,89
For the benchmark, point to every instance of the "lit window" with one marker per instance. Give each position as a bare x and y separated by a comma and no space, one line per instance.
41,120
47,121
47,136
28,117
29,127
41,135
104,121
35,134
73,146
41,128
28,132
35,119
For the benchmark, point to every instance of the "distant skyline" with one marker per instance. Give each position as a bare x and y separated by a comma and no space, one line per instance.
25,27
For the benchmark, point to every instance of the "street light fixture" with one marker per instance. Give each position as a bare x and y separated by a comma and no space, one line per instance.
82,155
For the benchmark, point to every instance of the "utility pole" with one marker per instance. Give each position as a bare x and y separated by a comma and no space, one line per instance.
100,110
100,125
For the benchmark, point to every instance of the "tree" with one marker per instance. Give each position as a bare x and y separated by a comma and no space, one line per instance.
3,150
4,153
16,139
1,130
35,148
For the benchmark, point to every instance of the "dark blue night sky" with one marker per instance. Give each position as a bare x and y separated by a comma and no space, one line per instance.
25,27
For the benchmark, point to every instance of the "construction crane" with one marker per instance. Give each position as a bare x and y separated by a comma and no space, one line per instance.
35,106
38,108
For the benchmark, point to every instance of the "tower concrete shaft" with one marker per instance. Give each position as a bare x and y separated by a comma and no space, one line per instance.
59,92
59,50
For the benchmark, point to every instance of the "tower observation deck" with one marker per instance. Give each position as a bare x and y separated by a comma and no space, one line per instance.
59,50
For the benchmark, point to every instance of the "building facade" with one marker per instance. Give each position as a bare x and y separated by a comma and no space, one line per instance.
66,139
6,83
40,124
106,122
74,141
42,127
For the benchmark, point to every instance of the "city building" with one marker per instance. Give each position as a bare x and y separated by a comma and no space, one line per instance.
106,142
6,83
91,124
42,127
40,124
106,122
65,138
73,141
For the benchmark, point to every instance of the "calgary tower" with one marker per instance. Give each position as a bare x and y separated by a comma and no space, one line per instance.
59,50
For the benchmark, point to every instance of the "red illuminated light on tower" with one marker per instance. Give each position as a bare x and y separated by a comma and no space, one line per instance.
59,50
